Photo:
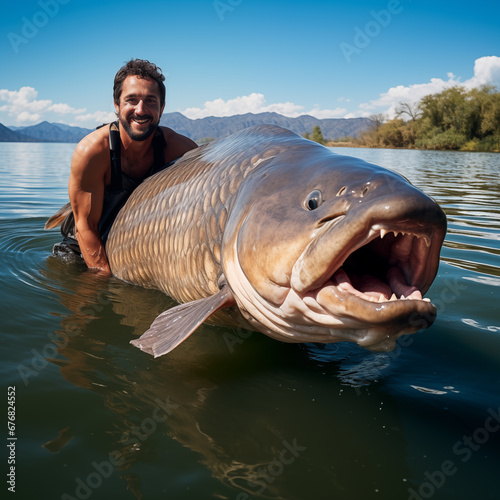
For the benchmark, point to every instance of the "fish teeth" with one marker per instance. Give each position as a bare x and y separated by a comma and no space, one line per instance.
383,232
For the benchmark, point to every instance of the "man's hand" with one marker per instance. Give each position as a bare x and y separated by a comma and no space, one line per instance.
93,250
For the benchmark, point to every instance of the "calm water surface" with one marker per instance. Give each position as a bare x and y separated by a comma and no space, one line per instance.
229,415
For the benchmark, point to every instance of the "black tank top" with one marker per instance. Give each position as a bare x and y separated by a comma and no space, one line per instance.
117,192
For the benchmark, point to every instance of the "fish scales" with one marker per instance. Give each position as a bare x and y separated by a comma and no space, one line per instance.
191,199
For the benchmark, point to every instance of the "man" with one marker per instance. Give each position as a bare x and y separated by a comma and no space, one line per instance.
100,181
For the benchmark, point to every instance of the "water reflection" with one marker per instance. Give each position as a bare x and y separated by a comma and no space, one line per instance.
262,419
33,178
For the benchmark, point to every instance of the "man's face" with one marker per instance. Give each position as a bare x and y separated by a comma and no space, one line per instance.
139,109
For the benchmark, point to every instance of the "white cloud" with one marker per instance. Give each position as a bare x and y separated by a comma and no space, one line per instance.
26,108
391,99
486,71
283,108
253,103
96,117
27,117
327,113
256,103
64,109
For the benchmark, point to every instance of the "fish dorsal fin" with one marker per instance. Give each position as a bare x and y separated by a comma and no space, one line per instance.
175,325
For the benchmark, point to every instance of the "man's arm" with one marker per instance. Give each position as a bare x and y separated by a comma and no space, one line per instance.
86,194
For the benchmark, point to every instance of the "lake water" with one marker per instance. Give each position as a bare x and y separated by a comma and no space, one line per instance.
232,416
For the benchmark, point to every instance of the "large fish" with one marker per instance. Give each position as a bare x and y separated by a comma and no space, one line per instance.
278,234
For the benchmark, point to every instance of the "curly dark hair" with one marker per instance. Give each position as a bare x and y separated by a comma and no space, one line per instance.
143,69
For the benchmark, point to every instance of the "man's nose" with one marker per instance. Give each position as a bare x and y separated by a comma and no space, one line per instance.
140,106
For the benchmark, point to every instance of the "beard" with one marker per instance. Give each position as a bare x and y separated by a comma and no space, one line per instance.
138,136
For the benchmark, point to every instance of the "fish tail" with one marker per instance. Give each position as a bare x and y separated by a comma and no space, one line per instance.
58,218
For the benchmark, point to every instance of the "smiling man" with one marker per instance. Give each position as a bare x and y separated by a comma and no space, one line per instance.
109,163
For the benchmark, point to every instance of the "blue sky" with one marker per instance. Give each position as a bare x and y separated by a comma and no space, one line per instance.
330,59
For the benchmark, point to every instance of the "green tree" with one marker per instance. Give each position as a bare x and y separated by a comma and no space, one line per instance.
317,135
444,110
490,118
396,134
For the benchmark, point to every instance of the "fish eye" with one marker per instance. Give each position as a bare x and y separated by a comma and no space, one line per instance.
313,200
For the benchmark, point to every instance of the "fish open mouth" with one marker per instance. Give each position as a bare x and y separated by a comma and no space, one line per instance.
390,267
376,275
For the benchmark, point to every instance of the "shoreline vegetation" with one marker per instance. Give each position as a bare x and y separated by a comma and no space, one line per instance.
456,119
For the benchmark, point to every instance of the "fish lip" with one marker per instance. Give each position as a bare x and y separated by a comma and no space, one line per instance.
419,312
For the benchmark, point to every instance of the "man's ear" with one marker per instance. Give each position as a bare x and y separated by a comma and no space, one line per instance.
117,108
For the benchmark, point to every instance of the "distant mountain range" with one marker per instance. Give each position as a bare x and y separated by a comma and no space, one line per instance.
49,132
214,127
201,129
8,135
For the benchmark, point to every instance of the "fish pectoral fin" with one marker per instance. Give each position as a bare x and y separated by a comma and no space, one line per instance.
175,325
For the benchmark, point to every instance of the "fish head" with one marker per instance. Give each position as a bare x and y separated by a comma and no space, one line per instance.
321,247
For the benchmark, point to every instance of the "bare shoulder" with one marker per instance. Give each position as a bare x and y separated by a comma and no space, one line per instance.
94,143
92,152
177,144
